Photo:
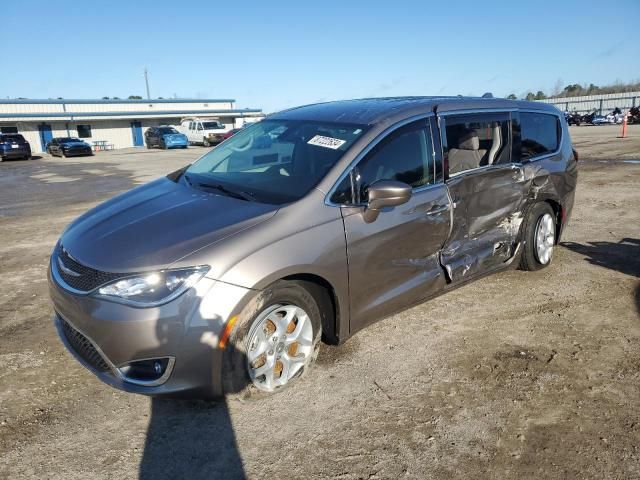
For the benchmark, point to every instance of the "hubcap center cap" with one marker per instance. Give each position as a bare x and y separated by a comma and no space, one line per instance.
280,347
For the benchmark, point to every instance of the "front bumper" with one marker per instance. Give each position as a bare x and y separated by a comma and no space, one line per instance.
177,144
78,152
185,330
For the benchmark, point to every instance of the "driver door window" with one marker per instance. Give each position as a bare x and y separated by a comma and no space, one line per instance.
405,155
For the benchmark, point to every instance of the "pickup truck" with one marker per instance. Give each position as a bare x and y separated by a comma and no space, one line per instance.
202,131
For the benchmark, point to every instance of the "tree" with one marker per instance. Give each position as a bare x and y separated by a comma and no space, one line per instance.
512,97
105,98
540,95
530,96
135,97
572,90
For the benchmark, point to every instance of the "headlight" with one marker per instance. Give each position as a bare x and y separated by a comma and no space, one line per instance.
154,288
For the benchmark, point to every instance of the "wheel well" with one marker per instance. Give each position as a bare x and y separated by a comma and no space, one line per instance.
557,210
325,297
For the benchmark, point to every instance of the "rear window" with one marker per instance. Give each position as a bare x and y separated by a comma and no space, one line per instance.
540,134
11,138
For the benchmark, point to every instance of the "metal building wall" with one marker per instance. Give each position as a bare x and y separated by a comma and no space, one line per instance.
601,103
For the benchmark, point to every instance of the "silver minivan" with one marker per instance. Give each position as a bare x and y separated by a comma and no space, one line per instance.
223,277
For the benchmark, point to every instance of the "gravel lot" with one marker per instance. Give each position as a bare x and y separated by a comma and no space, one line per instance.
519,375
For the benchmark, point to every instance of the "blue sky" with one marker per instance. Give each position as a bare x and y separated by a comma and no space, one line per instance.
273,55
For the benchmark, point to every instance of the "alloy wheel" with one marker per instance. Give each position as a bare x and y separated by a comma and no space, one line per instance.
545,238
279,345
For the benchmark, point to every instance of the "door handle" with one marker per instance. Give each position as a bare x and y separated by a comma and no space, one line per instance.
438,209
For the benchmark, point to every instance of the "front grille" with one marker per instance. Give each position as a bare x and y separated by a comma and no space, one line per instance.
83,347
87,278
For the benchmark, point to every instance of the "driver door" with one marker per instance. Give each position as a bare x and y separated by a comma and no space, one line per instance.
394,260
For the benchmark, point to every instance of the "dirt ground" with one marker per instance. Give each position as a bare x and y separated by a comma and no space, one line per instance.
519,375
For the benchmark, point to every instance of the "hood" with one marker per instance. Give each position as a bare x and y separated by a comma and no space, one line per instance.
156,224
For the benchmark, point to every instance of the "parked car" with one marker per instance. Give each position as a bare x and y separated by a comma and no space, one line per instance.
13,145
231,133
68,147
205,132
165,137
222,277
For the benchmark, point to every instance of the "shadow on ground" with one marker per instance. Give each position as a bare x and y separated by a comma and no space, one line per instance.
190,439
622,256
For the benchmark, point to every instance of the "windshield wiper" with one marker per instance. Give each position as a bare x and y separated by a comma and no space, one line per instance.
232,193
242,195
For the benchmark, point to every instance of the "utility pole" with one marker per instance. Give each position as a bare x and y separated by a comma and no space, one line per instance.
146,81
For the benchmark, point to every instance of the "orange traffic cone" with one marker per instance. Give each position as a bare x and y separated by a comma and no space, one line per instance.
624,127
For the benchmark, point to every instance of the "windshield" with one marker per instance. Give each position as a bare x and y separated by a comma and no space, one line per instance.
69,139
274,161
167,130
212,125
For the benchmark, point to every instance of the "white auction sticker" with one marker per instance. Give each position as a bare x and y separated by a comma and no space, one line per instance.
327,142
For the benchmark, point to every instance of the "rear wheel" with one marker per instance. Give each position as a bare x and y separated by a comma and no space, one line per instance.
274,341
539,236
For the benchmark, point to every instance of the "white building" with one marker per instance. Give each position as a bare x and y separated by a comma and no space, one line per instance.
120,123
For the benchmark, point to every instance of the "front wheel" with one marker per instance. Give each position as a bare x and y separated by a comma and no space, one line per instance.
206,142
274,342
539,235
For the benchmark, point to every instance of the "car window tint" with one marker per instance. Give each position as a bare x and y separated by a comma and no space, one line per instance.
540,134
405,156
476,140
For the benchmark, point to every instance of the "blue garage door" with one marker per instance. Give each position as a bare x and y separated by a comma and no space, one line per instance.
136,133
45,136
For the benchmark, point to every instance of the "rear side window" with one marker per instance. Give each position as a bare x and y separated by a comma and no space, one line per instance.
476,140
540,134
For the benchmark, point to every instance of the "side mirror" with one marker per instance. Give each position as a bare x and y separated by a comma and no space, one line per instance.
385,193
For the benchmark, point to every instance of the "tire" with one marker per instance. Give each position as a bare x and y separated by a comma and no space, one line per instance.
535,221
163,145
236,381
149,146
205,142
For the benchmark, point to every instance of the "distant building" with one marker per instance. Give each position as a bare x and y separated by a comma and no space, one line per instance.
120,123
